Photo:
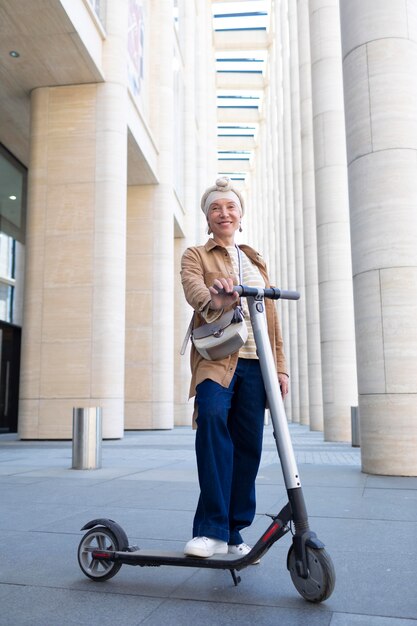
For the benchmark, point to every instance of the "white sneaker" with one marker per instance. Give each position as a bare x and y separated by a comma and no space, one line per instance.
242,549
205,547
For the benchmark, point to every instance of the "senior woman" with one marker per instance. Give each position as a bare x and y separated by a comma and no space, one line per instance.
229,393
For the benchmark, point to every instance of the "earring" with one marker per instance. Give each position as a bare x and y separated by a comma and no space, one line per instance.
240,228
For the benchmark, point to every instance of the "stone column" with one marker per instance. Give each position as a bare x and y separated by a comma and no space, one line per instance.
250,223
300,306
273,200
162,124
333,236
74,321
281,245
110,223
150,275
273,131
206,106
309,222
380,57
263,214
289,211
191,216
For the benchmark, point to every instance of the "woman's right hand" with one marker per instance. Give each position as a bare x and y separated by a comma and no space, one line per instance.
226,298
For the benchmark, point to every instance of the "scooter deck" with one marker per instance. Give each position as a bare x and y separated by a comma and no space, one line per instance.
158,557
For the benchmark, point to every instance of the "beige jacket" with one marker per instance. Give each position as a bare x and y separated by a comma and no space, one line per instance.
200,265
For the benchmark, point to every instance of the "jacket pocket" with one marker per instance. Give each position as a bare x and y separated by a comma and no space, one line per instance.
210,277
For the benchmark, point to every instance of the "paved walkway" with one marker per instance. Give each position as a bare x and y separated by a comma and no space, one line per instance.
148,484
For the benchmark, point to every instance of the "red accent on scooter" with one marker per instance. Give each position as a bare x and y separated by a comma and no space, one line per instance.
101,555
270,532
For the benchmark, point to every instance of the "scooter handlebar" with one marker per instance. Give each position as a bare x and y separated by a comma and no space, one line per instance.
272,292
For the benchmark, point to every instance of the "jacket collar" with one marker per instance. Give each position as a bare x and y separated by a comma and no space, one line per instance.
250,252
210,244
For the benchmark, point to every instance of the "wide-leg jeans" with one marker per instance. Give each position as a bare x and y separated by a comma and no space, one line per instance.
228,445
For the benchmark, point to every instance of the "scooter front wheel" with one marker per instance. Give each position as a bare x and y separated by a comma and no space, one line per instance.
99,538
319,584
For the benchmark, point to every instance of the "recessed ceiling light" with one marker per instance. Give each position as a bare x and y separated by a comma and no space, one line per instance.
12,197
14,54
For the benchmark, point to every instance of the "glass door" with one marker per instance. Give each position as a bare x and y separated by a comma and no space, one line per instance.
10,337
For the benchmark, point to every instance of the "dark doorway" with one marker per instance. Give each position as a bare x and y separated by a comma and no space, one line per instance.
10,337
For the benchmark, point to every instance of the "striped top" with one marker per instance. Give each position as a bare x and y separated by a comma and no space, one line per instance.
252,278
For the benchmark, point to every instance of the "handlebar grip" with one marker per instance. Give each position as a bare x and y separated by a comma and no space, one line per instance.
272,292
289,295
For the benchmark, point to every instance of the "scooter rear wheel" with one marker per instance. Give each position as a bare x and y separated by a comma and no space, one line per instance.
99,538
321,575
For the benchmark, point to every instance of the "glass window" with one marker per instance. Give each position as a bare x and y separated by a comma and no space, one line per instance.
178,16
13,180
136,48
175,13
6,302
12,196
99,7
7,276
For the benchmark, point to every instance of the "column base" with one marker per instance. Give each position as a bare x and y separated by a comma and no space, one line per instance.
388,426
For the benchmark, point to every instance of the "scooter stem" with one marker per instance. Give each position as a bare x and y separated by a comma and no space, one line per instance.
273,393
303,536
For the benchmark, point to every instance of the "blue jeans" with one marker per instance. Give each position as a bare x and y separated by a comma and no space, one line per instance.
228,447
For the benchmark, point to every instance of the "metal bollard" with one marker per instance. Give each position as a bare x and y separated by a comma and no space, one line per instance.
86,438
354,417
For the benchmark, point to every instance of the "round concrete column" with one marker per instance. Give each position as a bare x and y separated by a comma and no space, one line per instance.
309,223
206,103
380,57
253,217
162,219
289,211
333,236
151,259
108,307
271,200
261,210
298,213
73,339
274,173
186,231
281,220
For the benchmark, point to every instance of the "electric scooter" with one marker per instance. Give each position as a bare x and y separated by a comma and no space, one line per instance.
105,546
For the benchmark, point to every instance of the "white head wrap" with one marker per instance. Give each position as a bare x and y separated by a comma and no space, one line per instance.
222,189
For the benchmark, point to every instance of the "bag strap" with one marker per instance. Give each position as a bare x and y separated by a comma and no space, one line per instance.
187,336
239,258
240,263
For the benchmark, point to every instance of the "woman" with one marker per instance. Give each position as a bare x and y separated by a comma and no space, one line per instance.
229,394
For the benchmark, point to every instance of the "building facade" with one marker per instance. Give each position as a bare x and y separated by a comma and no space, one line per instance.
115,115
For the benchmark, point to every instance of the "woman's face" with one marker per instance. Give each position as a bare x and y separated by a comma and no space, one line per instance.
224,218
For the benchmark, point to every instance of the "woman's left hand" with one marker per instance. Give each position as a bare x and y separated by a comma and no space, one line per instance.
283,383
